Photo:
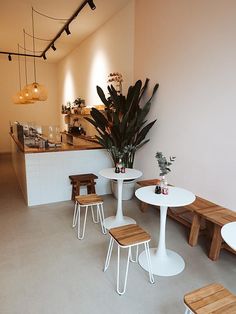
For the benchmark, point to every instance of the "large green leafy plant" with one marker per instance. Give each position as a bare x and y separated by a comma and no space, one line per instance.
123,127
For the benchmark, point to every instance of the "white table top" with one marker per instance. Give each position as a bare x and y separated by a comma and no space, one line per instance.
129,174
228,233
176,197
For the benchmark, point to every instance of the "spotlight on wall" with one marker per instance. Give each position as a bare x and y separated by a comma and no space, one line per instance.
67,30
44,56
91,4
53,47
9,57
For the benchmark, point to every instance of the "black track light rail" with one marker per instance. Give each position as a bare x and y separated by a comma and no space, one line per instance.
19,54
65,28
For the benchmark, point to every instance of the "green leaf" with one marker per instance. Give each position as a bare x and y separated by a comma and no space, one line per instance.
142,134
102,96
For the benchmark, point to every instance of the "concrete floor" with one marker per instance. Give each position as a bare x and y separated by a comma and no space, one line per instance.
45,269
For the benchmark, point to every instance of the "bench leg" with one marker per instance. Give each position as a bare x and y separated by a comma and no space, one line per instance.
194,231
215,243
143,207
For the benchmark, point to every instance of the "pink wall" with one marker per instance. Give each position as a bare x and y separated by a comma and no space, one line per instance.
189,47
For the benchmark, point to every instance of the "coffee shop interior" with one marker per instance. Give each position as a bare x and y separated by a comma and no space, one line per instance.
117,156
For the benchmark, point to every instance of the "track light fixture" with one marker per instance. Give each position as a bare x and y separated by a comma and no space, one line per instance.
53,47
67,30
9,57
91,4
44,56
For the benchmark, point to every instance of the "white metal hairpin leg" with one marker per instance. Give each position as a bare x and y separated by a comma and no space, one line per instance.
129,258
108,258
188,311
93,217
80,234
75,216
100,217
136,255
100,214
147,250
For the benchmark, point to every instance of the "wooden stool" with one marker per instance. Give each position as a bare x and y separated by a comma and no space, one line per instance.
126,237
87,201
82,180
213,298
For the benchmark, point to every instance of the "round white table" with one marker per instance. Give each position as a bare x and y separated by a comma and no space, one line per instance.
164,262
119,219
228,233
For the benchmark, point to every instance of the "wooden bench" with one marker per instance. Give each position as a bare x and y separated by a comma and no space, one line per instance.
218,216
82,180
213,298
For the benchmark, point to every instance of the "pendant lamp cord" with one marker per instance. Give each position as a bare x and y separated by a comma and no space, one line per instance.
26,78
19,67
33,43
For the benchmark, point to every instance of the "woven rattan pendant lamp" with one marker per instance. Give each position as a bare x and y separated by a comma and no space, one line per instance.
37,91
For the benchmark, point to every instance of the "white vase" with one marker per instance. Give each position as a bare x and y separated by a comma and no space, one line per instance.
127,190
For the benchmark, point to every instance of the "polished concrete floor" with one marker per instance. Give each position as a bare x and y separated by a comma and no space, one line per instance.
45,269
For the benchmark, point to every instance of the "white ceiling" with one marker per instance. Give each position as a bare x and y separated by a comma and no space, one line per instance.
15,15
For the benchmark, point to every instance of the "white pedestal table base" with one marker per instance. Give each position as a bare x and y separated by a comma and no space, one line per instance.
169,265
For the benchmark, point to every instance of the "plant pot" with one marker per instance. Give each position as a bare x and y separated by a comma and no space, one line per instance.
127,190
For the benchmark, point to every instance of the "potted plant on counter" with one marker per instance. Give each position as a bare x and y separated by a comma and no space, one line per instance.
122,129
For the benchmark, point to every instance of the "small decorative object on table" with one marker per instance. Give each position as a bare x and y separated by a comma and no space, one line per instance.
158,189
164,165
119,157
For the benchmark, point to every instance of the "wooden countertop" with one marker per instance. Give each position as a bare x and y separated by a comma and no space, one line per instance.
64,147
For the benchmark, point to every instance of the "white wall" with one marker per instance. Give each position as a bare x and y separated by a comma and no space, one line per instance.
43,113
109,49
189,47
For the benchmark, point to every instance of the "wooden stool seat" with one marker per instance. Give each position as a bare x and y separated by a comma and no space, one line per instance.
79,180
213,298
88,199
129,235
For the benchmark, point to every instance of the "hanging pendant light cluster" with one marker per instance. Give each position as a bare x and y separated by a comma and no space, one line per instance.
34,91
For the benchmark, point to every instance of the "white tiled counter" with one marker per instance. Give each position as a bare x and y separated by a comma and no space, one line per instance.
44,177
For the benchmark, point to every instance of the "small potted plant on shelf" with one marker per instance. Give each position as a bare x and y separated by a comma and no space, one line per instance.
164,165
124,124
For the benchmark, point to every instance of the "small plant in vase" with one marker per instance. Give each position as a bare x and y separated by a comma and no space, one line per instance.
164,165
